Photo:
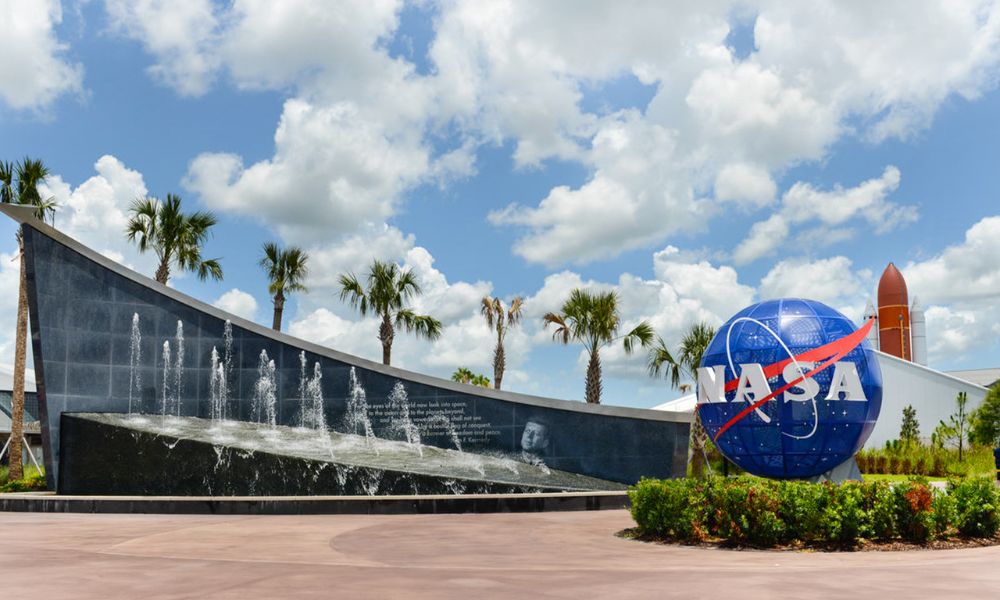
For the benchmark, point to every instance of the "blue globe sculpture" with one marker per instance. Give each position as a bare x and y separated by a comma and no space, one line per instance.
803,431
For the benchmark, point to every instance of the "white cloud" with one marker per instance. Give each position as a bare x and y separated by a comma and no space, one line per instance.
803,203
34,71
746,183
635,196
968,271
829,280
764,238
333,172
96,211
239,303
178,33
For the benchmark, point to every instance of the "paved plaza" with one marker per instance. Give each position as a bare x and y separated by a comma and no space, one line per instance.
549,555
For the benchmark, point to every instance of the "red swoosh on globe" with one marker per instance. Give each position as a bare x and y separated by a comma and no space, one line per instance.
839,349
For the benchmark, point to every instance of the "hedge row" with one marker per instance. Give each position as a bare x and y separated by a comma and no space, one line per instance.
761,512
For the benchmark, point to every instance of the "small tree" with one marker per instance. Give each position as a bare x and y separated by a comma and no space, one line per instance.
954,432
986,420
909,431
464,375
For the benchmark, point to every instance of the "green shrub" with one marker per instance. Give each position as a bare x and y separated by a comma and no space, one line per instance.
943,508
669,508
760,512
30,483
976,502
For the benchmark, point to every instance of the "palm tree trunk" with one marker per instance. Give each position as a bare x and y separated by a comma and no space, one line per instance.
697,446
163,272
20,360
499,363
594,378
385,334
279,308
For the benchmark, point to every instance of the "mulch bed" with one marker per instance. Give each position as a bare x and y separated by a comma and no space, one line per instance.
951,543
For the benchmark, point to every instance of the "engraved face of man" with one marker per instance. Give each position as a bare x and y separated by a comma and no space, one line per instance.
535,437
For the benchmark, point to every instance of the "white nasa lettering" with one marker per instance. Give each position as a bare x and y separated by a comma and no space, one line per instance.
809,387
712,384
753,384
846,381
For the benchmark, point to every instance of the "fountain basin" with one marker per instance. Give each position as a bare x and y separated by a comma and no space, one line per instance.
119,454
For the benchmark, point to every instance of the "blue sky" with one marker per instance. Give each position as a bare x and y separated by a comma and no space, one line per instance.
693,159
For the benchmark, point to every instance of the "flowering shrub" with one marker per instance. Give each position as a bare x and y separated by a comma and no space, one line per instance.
762,512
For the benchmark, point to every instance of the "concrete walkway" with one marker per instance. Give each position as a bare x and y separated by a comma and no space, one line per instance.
552,555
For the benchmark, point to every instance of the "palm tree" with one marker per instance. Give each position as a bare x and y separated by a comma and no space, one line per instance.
593,319
175,237
29,173
693,345
501,319
286,272
389,289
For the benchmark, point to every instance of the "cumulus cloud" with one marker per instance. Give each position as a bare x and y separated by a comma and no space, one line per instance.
96,211
743,182
34,69
830,280
178,34
333,172
803,204
239,303
367,126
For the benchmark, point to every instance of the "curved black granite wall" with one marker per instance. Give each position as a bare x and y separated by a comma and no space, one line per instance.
82,306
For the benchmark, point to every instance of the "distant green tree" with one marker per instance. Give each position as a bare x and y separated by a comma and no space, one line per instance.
986,420
464,375
955,431
909,431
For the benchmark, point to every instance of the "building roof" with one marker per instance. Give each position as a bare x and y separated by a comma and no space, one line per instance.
7,379
983,377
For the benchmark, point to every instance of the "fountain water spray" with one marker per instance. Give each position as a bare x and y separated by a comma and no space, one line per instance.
217,387
314,394
356,419
166,377
265,398
400,421
179,366
135,357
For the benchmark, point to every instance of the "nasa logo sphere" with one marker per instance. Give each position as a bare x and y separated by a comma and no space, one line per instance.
789,388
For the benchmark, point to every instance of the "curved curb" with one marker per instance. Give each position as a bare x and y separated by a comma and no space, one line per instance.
314,505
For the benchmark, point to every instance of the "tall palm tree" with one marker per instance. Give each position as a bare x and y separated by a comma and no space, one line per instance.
501,319
286,271
593,319
693,345
387,292
29,174
175,237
